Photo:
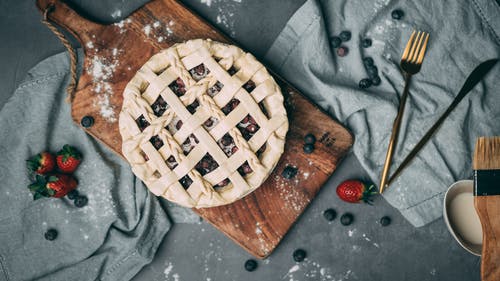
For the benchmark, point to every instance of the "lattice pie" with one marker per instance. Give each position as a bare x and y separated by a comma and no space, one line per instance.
203,123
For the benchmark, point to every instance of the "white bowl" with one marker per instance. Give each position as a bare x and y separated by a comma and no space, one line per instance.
461,218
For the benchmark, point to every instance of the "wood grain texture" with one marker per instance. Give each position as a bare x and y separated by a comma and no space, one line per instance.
257,222
488,210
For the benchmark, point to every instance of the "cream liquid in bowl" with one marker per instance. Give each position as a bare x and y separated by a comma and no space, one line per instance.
461,218
464,219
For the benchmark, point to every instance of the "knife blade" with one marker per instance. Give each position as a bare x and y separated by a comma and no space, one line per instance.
474,78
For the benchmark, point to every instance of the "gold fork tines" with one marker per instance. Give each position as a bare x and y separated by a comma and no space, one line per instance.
411,62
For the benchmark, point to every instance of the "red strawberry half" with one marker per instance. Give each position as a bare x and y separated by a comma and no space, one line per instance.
355,191
68,159
42,163
57,185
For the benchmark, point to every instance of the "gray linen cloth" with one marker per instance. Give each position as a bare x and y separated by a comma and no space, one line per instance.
112,237
463,34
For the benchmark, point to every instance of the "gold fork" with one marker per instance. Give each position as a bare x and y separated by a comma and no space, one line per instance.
411,62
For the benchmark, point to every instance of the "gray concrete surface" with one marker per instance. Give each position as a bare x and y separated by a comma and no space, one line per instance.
362,251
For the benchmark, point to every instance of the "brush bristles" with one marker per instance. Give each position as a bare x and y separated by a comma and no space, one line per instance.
487,154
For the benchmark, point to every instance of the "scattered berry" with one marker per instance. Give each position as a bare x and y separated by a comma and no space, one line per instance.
376,81
372,71
310,139
346,219
87,121
68,159
355,191
366,43
299,255
308,148
51,234
335,41
342,51
368,61
365,83
250,265
72,194
397,14
81,201
345,35
289,172
330,214
42,163
385,221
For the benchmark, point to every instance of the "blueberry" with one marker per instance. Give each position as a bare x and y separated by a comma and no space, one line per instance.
310,139
289,172
346,219
308,148
81,201
365,83
397,14
372,71
250,265
345,35
51,234
342,51
299,255
87,121
335,41
376,81
329,214
368,61
385,221
366,43
72,194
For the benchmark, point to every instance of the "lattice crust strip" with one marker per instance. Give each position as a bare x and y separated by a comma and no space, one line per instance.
203,123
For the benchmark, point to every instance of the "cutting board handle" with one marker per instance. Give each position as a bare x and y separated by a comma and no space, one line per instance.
66,17
488,209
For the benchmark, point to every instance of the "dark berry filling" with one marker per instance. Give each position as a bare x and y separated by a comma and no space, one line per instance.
227,145
261,150
248,127
206,165
143,154
178,87
249,86
142,123
192,107
189,144
263,109
230,106
232,70
171,162
185,181
156,142
199,72
245,169
223,183
215,89
159,106
210,123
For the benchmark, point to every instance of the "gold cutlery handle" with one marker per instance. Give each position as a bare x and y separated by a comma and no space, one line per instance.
394,135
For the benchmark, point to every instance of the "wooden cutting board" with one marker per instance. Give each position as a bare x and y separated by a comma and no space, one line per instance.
113,54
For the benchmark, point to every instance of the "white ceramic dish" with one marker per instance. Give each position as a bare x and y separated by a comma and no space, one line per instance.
461,218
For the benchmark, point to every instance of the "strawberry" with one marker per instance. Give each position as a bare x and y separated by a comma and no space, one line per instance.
42,163
68,159
355,191
57,186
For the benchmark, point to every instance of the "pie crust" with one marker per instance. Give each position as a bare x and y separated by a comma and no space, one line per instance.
203,123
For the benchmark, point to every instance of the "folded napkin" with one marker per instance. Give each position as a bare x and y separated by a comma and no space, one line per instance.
111,238
463,34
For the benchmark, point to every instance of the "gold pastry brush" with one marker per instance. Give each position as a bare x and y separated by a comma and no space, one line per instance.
486,165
